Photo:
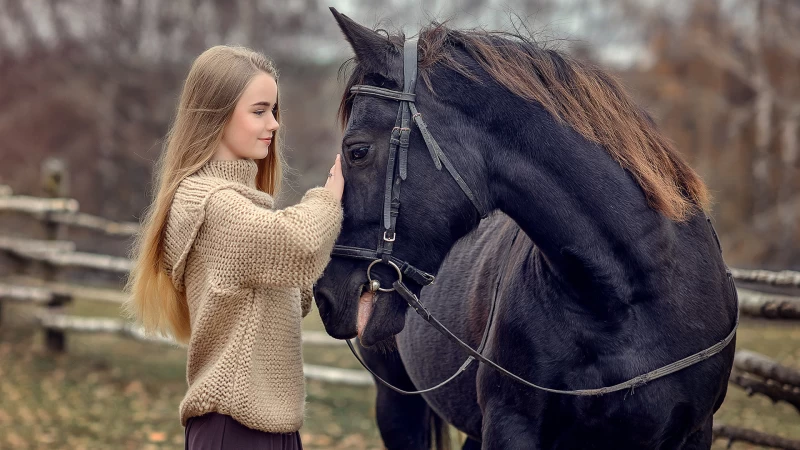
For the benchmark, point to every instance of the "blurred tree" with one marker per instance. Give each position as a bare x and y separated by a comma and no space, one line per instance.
725,85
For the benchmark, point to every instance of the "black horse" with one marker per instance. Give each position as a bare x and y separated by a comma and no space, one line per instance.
616,272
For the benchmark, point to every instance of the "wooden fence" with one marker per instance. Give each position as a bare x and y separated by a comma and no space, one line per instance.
37,272
33,272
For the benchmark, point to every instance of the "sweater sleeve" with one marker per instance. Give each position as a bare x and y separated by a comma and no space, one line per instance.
251,245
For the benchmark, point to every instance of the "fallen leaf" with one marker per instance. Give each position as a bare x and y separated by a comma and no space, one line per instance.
157,436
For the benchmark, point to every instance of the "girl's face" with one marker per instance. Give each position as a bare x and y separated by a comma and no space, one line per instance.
250,130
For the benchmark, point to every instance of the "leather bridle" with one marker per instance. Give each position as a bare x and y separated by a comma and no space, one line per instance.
397,172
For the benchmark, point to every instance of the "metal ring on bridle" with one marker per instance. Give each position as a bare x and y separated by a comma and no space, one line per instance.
397,269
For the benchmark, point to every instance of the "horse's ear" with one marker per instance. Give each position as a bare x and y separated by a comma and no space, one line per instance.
370,47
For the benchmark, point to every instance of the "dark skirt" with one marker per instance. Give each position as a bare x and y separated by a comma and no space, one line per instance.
215,431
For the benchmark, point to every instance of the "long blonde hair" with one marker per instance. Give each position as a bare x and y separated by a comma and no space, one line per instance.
214,85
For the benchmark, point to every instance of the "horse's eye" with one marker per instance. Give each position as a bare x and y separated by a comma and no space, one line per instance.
360,153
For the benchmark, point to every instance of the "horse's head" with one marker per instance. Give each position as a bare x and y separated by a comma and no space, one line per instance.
434,211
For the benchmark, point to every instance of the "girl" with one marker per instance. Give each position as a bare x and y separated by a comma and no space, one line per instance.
216,267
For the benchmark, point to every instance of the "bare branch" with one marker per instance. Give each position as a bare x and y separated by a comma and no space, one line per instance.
733,65
17,17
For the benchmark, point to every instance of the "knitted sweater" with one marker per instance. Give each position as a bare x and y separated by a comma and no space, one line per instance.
247,271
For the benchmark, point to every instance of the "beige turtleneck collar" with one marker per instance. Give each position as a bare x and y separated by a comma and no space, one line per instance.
242,171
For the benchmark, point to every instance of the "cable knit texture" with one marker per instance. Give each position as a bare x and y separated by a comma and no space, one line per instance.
247,271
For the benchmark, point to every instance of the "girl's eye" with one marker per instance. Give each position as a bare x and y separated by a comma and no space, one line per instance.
259,112
359,153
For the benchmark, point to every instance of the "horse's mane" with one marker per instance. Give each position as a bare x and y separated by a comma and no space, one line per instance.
584,97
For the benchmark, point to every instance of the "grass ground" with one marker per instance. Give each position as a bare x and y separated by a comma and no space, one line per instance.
111,393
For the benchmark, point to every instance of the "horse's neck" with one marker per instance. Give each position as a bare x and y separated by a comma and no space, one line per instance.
587,216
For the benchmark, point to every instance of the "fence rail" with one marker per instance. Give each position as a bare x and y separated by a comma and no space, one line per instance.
88,221
786,278
75,259
25,293
770,306
36,205
127,330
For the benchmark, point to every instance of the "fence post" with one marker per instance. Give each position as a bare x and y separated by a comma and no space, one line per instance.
54,185
4,191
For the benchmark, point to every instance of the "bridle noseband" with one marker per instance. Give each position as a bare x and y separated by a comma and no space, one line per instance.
396,172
